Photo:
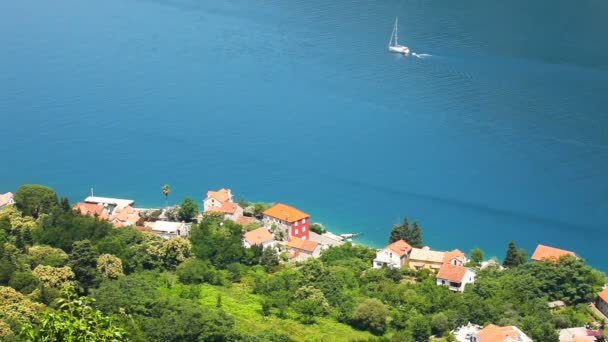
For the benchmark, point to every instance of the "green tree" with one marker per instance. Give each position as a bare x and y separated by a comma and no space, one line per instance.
440,324
187,210
400,231
511,258
420,326
270,258
35,199
83,261
28,240
476,255
166,190
46,255
109,266
371,315
25,282
522,257
76,320
310,303
415,237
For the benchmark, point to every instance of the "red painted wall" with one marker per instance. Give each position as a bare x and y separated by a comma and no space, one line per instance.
302,234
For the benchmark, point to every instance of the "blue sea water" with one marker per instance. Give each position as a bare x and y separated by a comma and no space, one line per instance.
498,131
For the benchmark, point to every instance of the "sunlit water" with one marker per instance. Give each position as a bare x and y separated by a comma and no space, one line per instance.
495,130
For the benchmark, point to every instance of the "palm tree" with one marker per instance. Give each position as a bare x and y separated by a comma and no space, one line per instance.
166,190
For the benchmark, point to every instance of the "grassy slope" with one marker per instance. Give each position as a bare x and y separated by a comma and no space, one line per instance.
245,307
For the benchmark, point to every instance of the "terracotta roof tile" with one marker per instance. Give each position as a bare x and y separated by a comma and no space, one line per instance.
453,273
305,245
400,247
89,208
258,236
226,207
222,195
494,333
246,220
285,212
543,252
455,254
604,295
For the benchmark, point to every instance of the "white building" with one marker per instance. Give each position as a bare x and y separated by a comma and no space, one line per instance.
456,277
394,255
168,229
261,236
217,198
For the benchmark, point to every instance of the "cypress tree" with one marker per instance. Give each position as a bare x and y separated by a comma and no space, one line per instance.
400,232
511,259
415,235
27,237
19,240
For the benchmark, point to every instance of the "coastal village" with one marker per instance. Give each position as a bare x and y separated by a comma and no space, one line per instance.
287,230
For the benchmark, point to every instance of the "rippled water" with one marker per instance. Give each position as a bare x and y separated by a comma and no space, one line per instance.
497,131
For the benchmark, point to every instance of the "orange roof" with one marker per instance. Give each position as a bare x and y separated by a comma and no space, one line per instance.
604,295
285,212
89,208
453,273
543,252
305,245
222,195
455,254
258,236
226,207
400,247
125,216
246,220
494,333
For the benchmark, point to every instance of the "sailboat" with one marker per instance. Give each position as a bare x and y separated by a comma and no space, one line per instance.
393,44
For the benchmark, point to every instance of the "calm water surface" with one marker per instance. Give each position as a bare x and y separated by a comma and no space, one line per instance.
499,132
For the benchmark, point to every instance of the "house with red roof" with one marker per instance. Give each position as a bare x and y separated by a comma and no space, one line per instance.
543,252
300,250
90,209
394,255
455,276
217,198
291,222
261,236
6,199
495,333
602,301
232,211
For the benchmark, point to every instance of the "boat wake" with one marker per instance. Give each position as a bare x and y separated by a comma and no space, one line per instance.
421,55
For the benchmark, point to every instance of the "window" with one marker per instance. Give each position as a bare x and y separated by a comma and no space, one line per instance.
296,232
303,229
303,221
296,224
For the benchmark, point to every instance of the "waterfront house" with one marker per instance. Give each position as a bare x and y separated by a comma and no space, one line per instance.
6,199
167,229
300,250
261,236
394,255
125,216
425,258
110,203
455,276
232,211
91,209
543,252
602,301
494,333
291,222
455,257
217,198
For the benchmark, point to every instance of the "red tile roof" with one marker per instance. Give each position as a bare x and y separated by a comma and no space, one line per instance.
304,245
226,207
285,212
455,254
453,273
89,208
258,236
494,333
604,295
400,247
222,195
543,252
246,220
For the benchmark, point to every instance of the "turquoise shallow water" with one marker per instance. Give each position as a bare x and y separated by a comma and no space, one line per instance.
500,133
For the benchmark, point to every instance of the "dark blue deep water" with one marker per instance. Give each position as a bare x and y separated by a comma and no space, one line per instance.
499,132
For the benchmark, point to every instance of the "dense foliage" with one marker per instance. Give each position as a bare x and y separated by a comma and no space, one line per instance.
210,288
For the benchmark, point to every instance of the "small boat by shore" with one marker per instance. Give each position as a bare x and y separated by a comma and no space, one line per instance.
393,44
349,236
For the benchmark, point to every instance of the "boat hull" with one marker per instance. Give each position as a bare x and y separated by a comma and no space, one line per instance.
399,49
